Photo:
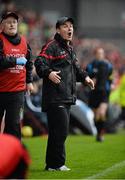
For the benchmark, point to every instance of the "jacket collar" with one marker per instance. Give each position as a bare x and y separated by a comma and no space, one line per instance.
13,39
61,41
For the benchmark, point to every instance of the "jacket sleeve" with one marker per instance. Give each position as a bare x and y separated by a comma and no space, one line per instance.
43,61
80,73
5,62
29,65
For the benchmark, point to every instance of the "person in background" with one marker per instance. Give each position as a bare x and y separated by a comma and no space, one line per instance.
58,66
100,71
14,158
122,95
15,73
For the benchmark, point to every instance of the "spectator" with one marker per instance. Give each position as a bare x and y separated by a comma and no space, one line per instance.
122,95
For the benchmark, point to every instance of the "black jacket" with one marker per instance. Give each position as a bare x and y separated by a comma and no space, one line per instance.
7,62
58,56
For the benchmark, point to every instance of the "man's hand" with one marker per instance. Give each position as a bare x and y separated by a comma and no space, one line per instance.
90,82
54,77
29,88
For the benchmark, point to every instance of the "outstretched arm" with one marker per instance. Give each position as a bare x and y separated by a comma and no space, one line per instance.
89,82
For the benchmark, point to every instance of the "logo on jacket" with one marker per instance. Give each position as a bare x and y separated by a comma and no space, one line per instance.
15,50
62,52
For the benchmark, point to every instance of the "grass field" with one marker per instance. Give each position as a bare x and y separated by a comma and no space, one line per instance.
87,158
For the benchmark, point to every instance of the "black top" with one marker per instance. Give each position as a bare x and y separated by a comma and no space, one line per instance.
58,56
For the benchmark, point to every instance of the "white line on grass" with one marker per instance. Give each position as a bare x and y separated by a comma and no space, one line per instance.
108,170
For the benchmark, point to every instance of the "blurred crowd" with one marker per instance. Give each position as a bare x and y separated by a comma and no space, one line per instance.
38,31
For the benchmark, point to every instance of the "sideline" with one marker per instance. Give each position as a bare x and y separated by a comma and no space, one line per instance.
106,171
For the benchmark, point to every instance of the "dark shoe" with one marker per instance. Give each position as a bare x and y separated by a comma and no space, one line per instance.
100,135
100,138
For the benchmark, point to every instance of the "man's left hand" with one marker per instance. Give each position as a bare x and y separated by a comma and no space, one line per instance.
90,82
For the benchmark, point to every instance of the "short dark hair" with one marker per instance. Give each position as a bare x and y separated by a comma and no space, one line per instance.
62,20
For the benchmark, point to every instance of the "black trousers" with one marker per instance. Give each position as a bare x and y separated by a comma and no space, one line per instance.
58,125
13,104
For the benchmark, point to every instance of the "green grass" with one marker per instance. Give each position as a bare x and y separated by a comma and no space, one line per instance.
85,157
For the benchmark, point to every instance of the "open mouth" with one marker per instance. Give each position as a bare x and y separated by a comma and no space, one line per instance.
69,34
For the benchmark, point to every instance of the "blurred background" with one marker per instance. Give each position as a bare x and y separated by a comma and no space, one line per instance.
97,23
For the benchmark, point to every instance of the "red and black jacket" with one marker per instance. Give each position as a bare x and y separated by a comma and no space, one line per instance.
58,56
14,77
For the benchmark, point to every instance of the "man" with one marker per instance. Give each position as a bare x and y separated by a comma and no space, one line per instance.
58,66
100,70
15,73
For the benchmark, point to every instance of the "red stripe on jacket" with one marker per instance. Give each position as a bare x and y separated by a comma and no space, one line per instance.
43,53
53,57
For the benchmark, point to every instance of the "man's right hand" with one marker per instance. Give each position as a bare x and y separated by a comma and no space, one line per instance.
53,76
21,61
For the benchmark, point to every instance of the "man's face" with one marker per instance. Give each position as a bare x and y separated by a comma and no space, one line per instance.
9,26
66,31
100,54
